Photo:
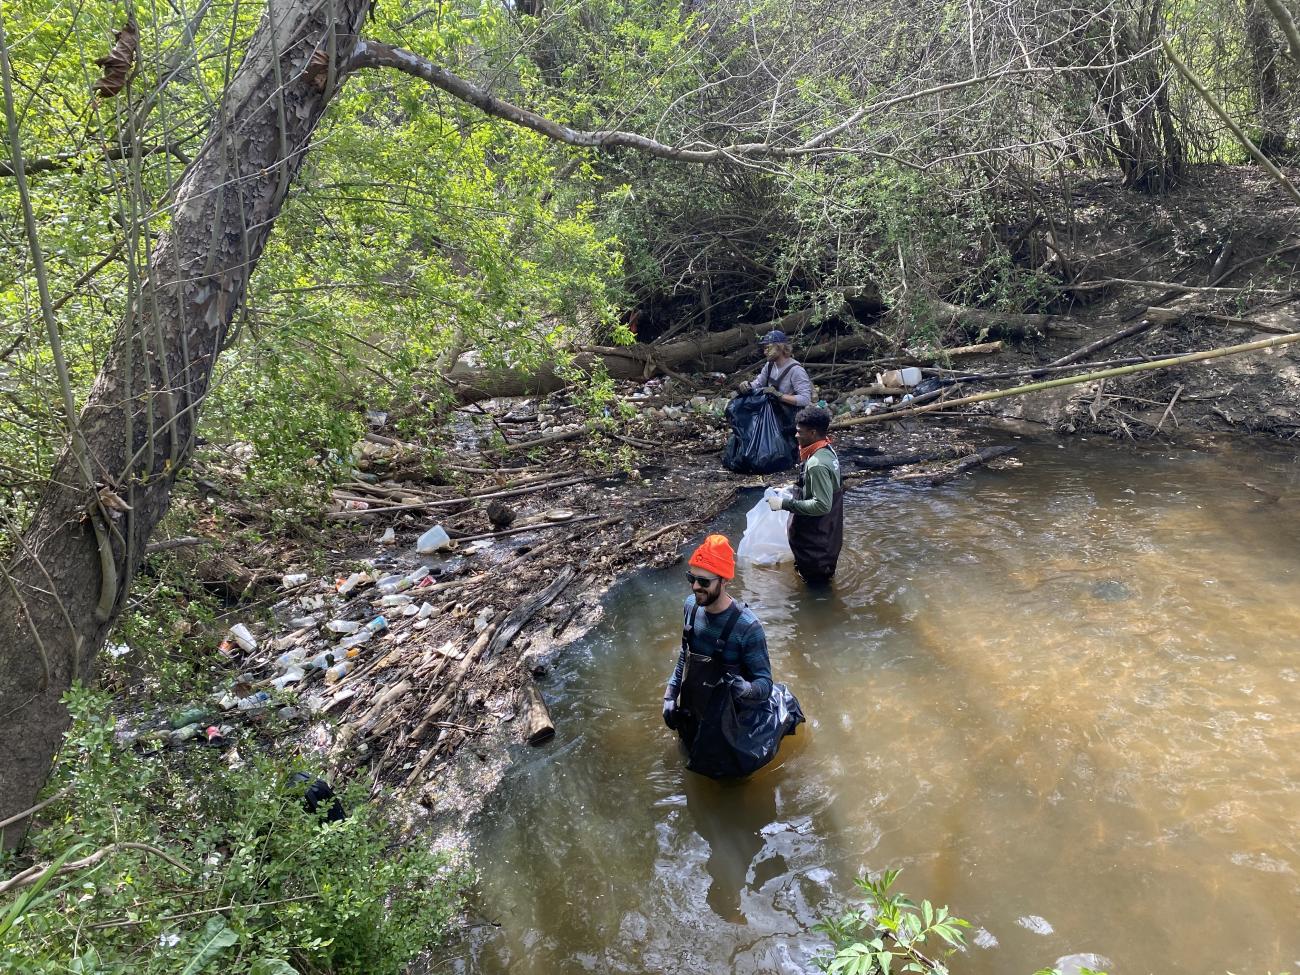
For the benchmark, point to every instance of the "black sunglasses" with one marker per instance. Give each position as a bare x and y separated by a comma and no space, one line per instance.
695,580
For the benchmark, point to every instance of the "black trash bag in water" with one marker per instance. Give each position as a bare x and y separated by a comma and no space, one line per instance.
725,738
762,436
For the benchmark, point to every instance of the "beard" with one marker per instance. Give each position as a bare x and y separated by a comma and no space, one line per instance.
708,597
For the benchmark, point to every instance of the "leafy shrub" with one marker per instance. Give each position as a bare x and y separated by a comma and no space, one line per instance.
211,867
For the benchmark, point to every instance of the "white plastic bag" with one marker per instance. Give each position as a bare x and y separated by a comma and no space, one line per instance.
765,541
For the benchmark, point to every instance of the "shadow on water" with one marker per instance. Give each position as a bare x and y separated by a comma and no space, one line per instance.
1062,698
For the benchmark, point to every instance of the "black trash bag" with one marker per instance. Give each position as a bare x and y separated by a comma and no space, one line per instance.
762,436
725,738
317,795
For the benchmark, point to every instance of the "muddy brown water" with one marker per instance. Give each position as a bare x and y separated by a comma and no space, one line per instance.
1064,699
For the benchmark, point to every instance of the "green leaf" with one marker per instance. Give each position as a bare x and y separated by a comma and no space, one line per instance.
215,938
272,966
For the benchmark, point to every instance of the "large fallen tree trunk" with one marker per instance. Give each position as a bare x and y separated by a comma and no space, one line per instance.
699,352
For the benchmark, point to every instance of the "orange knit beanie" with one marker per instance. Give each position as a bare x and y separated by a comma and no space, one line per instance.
715,555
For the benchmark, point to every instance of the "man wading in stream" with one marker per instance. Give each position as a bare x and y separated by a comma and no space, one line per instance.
817,528
720,699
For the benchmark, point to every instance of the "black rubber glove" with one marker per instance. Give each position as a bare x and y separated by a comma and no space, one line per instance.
741,689
670,713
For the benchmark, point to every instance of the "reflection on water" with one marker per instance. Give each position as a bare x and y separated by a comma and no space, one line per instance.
1065,699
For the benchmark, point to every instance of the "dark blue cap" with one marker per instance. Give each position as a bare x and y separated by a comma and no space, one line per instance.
773,337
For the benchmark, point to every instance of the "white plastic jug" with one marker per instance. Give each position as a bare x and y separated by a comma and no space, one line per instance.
766,541
431,541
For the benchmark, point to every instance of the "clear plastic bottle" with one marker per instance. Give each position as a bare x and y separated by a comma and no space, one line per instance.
253,701
343,626
290,676
339,670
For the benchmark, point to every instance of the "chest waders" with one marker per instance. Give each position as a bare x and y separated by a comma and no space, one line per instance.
816,540
724,738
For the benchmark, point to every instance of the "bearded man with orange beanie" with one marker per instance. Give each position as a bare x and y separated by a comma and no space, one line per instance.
720,697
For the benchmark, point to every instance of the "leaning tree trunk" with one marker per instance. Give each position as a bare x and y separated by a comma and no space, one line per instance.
72,566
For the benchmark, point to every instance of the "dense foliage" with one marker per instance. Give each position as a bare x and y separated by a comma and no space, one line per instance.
210,862
918,150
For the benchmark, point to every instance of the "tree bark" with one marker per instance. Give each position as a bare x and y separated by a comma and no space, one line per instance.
63,589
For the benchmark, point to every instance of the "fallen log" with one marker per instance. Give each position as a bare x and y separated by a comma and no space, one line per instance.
1172,315
523,614
1104,343
538,726
1009,325
971,461
880,462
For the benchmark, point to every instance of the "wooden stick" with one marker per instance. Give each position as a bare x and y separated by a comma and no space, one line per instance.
539,442
526,528
1168,409
451,502
19,817
167,544
1181,360
1107,342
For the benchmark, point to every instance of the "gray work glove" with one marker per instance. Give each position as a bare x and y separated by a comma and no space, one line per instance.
741,689
670,713
772,391
744,388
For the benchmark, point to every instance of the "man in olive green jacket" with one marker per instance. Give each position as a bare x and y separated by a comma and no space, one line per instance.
817,528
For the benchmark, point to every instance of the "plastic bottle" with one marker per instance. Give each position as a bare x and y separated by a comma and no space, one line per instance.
339,670
185,733
377,625
253,701
395,599
434,539
293,579
343,626
190,716
322,660
289,658
351,582
290,676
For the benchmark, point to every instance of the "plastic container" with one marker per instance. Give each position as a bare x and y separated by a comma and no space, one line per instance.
185,733
190,716
253,701
426,610
434,540
293,579
389,537
291,676
241,635
323,660
290,658
910,376
351,582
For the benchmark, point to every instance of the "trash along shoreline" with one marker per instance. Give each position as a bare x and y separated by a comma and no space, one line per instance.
418,659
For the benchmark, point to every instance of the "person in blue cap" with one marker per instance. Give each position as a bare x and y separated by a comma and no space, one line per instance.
782,377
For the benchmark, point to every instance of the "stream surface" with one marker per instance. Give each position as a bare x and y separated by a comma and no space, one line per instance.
1063,698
